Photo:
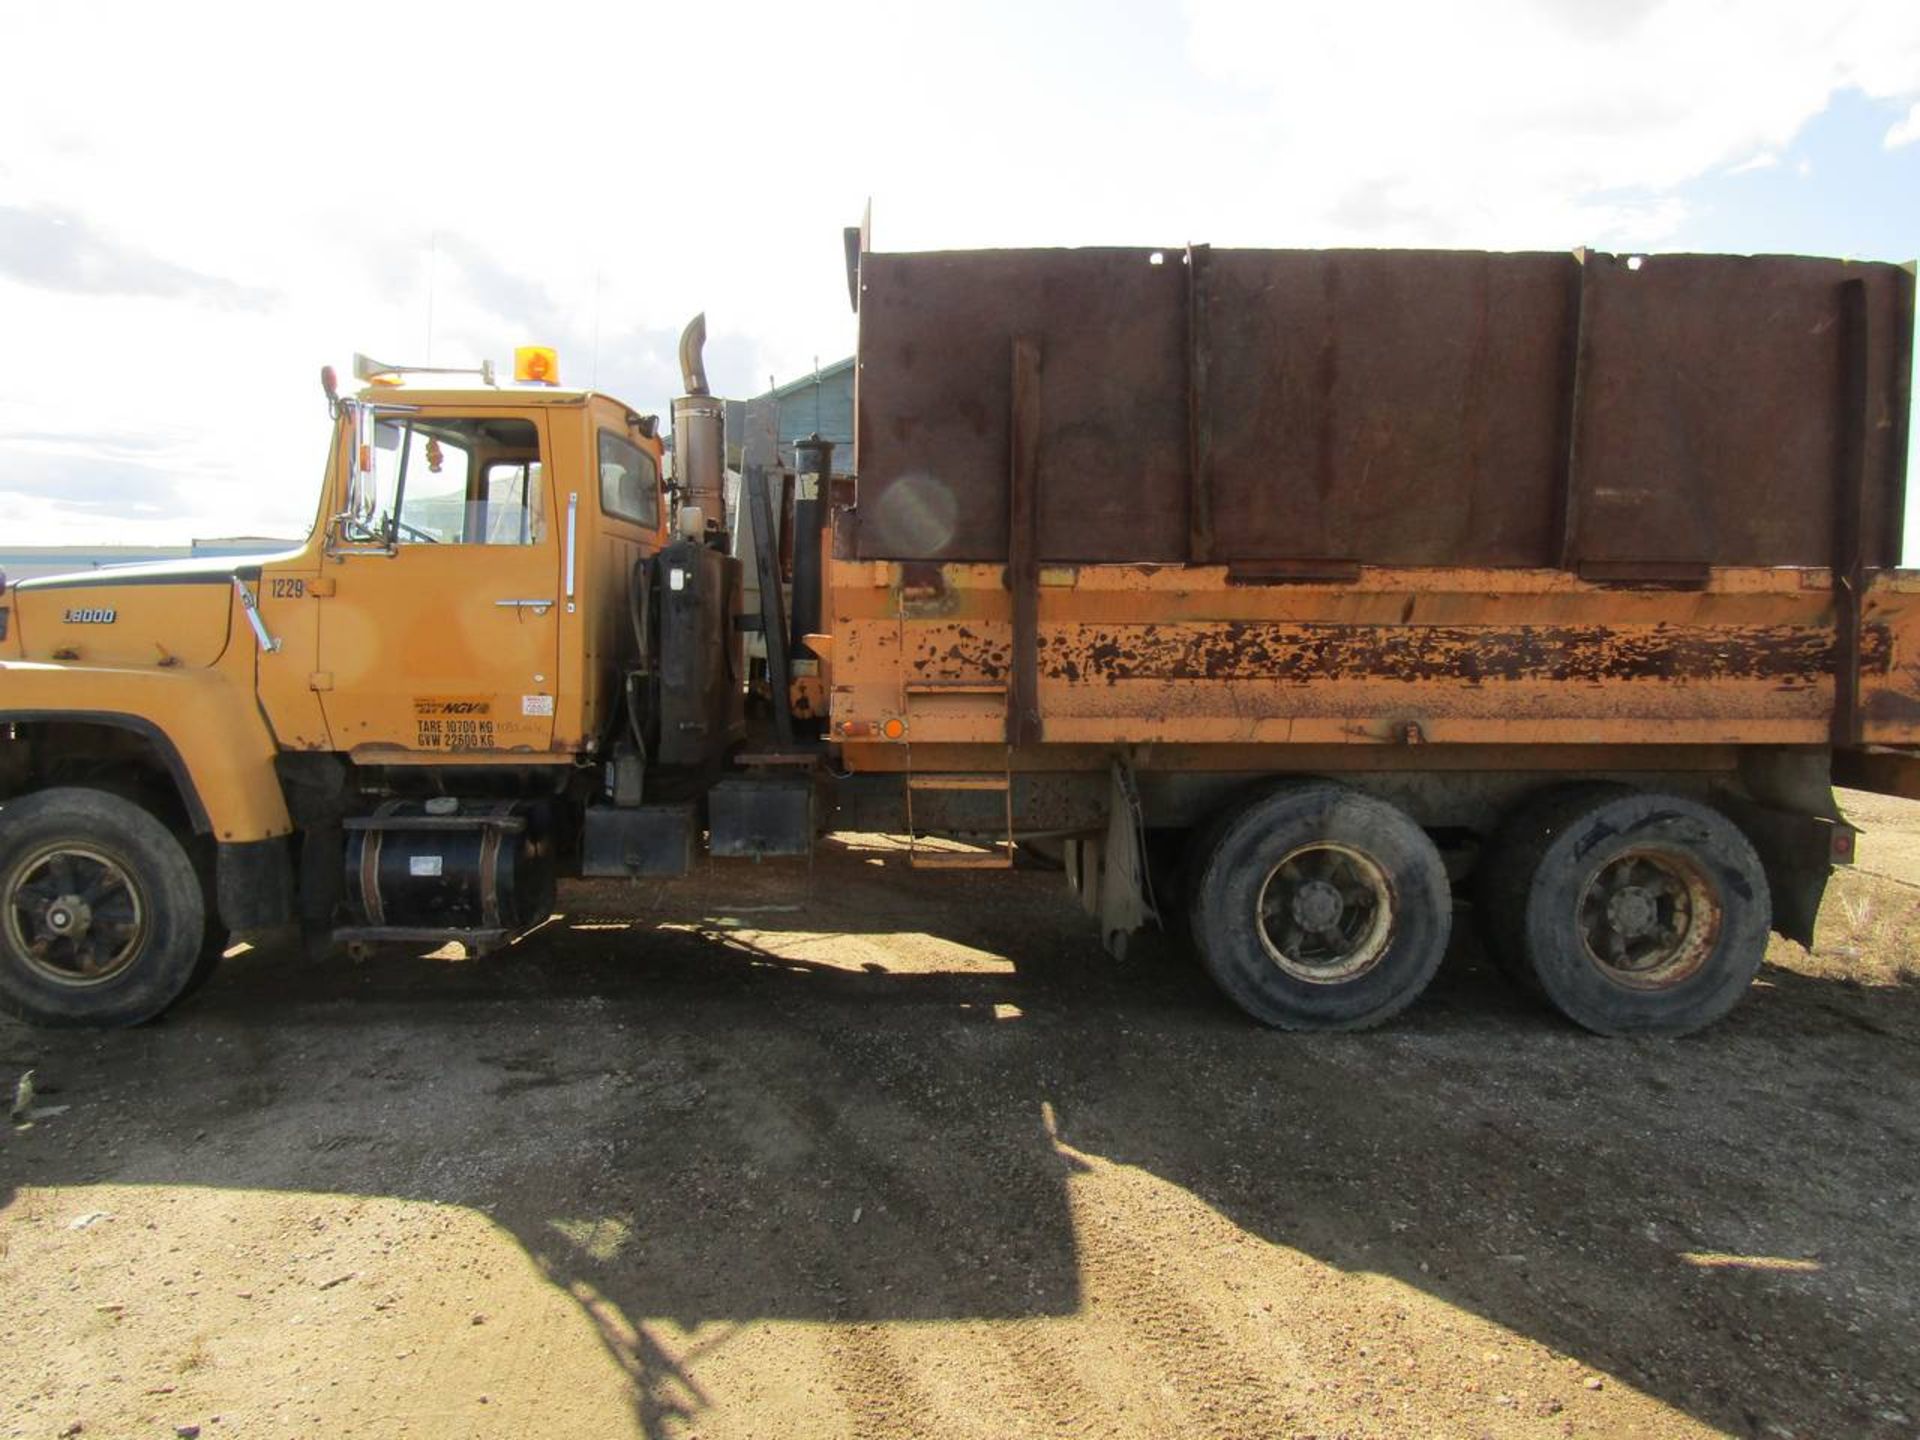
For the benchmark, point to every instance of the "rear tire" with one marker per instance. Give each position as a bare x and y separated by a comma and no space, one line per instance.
1504,872
102,914
1319,908
1630,912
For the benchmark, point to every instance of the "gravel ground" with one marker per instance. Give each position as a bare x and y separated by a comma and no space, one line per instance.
848,1150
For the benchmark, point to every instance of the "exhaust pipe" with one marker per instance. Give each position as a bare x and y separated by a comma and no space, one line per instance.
693,366
700,432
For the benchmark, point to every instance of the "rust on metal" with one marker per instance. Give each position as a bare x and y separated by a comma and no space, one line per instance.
1849,505
1319,653
1665,574
1296,653
935,404
1199,414
1392,408
1565,525
1023,566
921,581
1336,500
1293,572
1711,414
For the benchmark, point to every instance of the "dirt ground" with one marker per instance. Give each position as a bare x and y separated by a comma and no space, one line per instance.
855,1151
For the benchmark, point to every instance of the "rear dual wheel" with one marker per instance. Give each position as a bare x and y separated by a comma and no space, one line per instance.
1318,908
1630,912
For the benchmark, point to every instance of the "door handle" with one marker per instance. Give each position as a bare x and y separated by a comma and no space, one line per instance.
539,607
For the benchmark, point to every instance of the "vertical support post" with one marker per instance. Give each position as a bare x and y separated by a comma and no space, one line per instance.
1199,412
812,486
1850,487
1023,544
1566,530
773,620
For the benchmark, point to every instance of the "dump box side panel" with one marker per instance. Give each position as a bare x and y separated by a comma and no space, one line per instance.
936,397
1386,408
1402,657
1392,408
1712,416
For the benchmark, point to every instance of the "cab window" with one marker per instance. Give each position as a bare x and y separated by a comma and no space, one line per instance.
460,482
515,511
629,481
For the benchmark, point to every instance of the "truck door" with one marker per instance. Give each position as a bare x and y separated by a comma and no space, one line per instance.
441,633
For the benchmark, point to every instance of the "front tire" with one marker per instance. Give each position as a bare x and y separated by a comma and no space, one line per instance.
1319,908
102,914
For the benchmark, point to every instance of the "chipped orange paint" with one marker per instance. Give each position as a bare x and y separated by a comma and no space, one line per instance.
1178,655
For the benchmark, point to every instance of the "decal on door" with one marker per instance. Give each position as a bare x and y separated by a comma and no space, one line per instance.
453,722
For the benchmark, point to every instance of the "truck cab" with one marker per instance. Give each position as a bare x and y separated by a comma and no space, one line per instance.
442,607
389,731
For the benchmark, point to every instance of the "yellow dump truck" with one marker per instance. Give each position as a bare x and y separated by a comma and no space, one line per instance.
1288,596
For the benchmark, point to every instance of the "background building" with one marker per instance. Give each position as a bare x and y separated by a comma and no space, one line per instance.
23,562
820,403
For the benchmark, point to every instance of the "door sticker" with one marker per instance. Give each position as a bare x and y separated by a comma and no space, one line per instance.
453,722
536,704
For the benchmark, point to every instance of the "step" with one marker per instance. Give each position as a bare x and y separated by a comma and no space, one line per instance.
950,860
954,687
423,934
512,824
997,783
799,759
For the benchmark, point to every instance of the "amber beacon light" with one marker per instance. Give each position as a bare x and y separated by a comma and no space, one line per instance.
538,363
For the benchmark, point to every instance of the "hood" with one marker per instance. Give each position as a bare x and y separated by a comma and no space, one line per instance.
176,612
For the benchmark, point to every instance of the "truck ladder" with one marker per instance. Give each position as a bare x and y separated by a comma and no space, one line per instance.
1000,857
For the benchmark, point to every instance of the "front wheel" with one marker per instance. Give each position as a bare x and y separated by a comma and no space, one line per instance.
1319,908
102,914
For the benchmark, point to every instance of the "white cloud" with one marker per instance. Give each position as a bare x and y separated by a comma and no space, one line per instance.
1510,122
268,199
1765,160
1904,132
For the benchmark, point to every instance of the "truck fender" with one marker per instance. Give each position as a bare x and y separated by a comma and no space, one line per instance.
207,731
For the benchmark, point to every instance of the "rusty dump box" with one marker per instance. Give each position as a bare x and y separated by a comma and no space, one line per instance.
1361,497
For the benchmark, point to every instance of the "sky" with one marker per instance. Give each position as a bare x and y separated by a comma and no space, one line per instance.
201,204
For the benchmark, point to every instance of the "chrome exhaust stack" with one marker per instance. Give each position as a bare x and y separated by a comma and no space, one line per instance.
699,433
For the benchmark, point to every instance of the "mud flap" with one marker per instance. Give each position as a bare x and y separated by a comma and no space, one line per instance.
1109,872
1799,853
253,883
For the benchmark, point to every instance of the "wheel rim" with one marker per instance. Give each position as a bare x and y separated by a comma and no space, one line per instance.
75,915
1325,914
1649,918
